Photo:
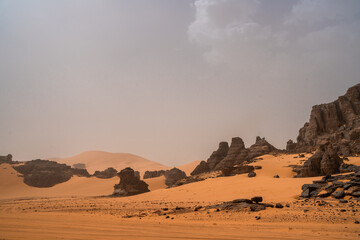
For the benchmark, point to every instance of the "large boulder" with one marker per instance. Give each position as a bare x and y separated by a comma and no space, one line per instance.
130,184
330,163
44,173
321,163
107,173
173,175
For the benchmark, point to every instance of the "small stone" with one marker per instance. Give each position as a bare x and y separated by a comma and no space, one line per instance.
278,205
257,199
276,176
338,194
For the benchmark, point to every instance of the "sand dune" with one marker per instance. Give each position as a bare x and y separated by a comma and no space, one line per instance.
189,167
13,187
76,217
98,160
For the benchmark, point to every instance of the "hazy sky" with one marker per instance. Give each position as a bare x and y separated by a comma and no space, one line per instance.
168,79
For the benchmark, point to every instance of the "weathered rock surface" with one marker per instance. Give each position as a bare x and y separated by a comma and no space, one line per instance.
349,168
333,186
203,167
225,158
130,184
153,174
79,166
336,124
254,205
260,147
321,163
44,173
107,173
6,159
173,175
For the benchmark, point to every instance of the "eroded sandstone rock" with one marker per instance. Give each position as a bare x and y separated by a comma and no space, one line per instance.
130,184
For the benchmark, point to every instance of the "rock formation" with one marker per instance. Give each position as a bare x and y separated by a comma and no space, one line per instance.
153,174
130,184
45,173
333,186
79,166
321,163
336,124
107,173
6,159
173,175
225,158
203,167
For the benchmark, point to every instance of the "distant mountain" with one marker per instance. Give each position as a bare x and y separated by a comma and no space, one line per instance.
98,160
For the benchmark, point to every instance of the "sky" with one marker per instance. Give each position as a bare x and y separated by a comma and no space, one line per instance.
168,79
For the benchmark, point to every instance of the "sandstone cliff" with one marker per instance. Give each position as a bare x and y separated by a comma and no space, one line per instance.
335,124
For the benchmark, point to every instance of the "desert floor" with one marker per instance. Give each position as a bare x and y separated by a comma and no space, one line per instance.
75,209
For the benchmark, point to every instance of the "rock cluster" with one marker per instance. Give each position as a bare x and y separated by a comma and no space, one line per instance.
153,174
225,158
44,173
334,186
323,162
6,159
130,184
107,173
254,204
335,124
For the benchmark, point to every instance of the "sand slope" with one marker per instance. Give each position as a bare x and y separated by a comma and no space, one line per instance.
13,187
189,167
285,188
98,160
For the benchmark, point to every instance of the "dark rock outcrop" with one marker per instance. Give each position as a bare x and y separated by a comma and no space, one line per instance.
335,124
218,155
80,172
260,147
130,184
225,158
333,186
203,167
153,174
6,159
173,175
107,173
349,168
79,166
321,163
44,173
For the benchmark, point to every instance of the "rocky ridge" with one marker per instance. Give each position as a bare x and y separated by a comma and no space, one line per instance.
335,124
228,159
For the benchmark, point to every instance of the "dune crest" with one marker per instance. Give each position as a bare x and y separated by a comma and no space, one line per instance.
99,160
